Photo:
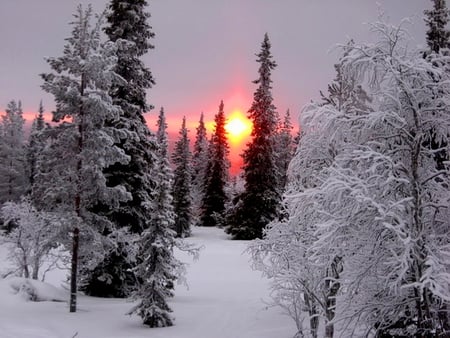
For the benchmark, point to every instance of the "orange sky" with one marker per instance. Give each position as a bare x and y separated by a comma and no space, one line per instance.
236,142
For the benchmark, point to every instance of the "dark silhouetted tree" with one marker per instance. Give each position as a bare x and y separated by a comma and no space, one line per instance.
437,19
216,178
199,166
284,149
13,178
258,204
181,192
36,144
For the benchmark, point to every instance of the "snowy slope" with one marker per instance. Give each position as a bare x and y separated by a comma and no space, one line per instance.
224,300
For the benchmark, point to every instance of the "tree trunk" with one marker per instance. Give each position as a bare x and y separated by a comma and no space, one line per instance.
313,317
37,256
26,272
35,269
73,273
444,318
76,230
333,287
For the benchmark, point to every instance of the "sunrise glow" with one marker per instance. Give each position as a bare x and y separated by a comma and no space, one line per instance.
238,127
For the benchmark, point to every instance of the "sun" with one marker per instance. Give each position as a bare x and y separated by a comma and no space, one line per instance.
238,127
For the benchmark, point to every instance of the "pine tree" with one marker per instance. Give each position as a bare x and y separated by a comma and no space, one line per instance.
182,199
127,26
199,166
82,148
438,36
158,269
216,178
258,204
13,178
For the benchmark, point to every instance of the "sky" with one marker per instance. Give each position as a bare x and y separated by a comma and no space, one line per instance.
205,49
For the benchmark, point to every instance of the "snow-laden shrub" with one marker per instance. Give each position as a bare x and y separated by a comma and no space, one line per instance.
32,239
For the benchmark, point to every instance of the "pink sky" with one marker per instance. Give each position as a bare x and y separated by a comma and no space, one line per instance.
205,50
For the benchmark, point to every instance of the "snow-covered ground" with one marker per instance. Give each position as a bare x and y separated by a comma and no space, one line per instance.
225,299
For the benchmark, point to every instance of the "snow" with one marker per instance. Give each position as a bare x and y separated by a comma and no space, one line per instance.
225,299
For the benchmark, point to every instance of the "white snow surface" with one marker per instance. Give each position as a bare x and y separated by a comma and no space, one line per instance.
225,299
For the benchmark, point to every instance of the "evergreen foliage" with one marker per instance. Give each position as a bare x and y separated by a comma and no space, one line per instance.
84,146
200,157
36,144
13,178
438,39
158,267
181,192
258,204
128,28
216,178
284,149
437,19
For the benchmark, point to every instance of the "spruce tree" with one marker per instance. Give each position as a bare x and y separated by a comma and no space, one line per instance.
438,41
13,179
437,19
258,204
284,149
199,166
162,140
84,146
216,178
182,199
157,270
127,26
438,38
35,144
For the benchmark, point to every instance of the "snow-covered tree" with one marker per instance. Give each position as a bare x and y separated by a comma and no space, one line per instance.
13,178
304,289
127,26
259,203
284,149
438,36
182,199
163,143
158,268
36,144
367,227
199,166
84,146
216,178
33,237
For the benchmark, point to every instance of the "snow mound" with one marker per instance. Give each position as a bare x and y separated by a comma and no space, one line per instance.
32,290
